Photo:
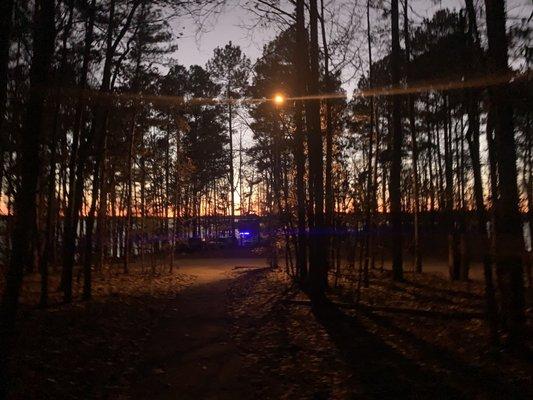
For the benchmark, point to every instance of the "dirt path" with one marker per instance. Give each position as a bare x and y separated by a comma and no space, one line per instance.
191,355
245,333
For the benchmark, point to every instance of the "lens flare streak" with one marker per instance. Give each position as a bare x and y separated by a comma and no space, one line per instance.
278,99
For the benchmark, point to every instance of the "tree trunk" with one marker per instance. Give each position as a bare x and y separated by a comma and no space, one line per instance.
231,171
453,240
417,260
76,167
472,136
329,198
49,227
299,141
101,223
397,142
129,183
318,264
369,182
508,222
52,145
6,25
88,261
25,208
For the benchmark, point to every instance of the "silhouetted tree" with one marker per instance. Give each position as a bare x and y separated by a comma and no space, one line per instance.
508,222
397,142
44,32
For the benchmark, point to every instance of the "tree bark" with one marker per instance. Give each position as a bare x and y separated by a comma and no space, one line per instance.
52,145
473,146
6,25
318,264
78,156
397,142
299,141
88,261
454,265
329,198
508,222
417,258
231,171
25,207
129,183
369,181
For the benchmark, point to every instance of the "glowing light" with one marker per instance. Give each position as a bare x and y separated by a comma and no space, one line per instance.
279,99
446,84
244,233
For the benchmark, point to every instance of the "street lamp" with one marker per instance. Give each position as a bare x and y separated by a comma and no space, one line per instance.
279,99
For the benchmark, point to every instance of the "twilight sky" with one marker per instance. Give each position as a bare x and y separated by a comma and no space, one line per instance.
198,49
193,49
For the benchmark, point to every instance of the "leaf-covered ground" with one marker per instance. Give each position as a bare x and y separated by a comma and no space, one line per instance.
231,329
90,349
419,339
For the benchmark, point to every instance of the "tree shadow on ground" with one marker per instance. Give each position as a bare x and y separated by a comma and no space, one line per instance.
472,380
414,291
384,373
457,294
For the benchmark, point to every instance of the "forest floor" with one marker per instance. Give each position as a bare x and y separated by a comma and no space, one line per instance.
234,329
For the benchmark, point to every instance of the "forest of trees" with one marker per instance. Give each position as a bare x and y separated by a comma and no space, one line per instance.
110,149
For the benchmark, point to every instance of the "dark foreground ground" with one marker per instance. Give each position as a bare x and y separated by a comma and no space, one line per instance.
233,329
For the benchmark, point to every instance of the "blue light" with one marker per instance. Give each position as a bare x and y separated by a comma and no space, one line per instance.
244,233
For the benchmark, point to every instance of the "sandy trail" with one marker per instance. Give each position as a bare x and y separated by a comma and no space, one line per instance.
191,354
